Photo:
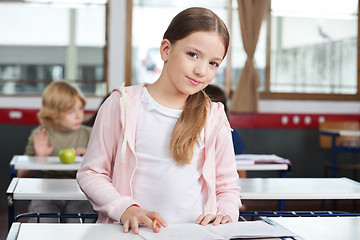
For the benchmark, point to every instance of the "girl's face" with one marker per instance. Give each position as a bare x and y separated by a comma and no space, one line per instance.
73,118
191,63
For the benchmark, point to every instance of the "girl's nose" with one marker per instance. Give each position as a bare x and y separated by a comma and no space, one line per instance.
200,69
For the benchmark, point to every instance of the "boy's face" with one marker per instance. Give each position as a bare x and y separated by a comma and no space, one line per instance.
73,118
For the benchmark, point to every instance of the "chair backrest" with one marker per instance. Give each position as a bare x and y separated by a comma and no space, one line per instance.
325,140
238,142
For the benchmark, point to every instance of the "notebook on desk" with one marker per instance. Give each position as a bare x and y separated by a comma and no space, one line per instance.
260,158
242,230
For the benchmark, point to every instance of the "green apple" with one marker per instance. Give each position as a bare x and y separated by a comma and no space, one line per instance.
67,155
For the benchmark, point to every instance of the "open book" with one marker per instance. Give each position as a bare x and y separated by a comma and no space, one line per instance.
249,229
260,158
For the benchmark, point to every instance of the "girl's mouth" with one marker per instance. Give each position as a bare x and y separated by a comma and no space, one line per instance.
194,82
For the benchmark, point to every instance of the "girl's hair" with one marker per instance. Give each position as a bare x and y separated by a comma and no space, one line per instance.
57,98
216,94
192,120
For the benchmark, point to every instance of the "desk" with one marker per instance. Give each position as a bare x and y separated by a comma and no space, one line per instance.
52,163
23,162
283,168
298,189
320,228
251,188
87,231
41,189
335,149
262,162
247,229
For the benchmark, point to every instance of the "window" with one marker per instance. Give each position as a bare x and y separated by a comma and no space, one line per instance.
305,49
43,41
150,20
314,49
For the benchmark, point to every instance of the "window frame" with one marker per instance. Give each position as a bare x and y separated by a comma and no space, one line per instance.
266,94
105,64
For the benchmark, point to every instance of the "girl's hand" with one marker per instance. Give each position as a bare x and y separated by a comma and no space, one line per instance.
80,151
216,219
42,145
134,215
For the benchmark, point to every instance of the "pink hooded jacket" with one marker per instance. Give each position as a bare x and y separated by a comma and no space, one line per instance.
106,173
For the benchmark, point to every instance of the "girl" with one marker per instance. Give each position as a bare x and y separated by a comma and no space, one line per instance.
164,151
61,115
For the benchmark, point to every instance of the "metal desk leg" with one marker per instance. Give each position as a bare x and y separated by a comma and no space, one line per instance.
281,205
12,172
11,202
334,203
11,209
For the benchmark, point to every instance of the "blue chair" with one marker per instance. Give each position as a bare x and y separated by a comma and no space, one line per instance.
239,145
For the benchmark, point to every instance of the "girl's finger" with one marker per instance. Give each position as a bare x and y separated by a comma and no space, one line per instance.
160,220
199,219
217,220
208,218
135,226
226,219
126,226
153,224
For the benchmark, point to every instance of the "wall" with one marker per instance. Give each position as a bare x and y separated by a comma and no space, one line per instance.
12,141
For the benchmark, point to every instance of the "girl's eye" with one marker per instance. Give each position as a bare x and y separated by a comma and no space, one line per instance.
214,64
193,55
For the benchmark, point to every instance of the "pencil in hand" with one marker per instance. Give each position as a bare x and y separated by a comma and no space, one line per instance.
154,223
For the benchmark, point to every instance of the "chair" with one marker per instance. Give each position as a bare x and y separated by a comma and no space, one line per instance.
238,142
239,148
343,144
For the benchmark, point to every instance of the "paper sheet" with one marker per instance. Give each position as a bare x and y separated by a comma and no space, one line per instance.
249,229
261,158
180,231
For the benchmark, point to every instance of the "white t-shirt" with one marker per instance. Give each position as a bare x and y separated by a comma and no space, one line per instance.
159,183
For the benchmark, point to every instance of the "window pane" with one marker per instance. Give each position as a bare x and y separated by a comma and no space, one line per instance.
314,49
43,42
150,21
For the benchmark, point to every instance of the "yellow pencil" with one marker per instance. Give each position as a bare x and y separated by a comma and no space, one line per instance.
154,223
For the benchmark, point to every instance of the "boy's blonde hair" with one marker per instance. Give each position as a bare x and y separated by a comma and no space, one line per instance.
57,98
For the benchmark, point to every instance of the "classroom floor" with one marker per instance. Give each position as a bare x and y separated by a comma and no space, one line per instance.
251,205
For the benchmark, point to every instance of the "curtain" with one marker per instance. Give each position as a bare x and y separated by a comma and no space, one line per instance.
245,97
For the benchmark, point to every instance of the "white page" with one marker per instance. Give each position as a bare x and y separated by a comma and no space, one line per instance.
249,229
179,231
261,158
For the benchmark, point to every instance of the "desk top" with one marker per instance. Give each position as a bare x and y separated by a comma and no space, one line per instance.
45,189
251,188
44,163
43,231
53,163
298,188
320,228
350,133
262,167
